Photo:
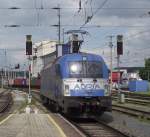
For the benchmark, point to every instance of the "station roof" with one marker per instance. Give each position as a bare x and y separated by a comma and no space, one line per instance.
130,69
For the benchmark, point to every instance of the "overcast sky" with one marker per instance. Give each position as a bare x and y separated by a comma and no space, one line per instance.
130,18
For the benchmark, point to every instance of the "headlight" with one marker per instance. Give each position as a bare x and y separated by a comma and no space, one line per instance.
66,91
74,68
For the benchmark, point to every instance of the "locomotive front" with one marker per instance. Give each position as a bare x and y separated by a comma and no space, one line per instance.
85,85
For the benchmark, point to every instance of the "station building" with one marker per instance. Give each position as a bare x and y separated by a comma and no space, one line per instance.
43,53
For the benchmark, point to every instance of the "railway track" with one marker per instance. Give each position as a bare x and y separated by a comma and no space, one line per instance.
134,101
123,109
95,128
132,111
90,128
132,95
5,101
133,98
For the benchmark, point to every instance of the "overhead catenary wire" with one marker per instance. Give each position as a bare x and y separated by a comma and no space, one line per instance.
43,8
128,38
71,25
89,18
72,8
127,53
132,55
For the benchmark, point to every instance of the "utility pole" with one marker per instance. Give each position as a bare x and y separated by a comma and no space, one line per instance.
5,74
119,52
119,76
63,35
29,54
111,60
59,25
2,78
24,71
29,77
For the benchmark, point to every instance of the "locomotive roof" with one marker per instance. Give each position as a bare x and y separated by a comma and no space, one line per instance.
79,56
75,57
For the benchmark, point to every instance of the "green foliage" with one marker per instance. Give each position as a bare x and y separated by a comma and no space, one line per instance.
145,72
147,63
142,74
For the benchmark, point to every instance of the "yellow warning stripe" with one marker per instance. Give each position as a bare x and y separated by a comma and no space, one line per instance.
57,126
6,119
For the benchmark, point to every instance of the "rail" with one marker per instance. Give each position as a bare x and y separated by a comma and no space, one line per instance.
96,128
133,98
5,101
132,111
92,128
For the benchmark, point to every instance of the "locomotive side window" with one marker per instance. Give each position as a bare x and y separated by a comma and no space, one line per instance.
85,69
57,68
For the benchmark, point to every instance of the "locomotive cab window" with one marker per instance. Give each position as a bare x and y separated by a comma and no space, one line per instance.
85,69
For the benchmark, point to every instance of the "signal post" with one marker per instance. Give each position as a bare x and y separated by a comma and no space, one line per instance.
119,52
29,54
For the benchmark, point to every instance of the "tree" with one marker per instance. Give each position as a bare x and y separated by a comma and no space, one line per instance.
145,72
147,63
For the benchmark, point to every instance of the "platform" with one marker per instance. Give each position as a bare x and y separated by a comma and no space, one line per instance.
29,125
1,90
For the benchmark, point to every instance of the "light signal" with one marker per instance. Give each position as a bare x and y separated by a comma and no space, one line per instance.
28,45
119,44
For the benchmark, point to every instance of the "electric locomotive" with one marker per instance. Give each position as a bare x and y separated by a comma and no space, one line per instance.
77,85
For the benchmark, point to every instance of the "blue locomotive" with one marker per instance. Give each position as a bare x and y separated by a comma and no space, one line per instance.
76,84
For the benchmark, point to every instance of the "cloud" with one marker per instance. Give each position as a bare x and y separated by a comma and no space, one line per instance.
133,14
